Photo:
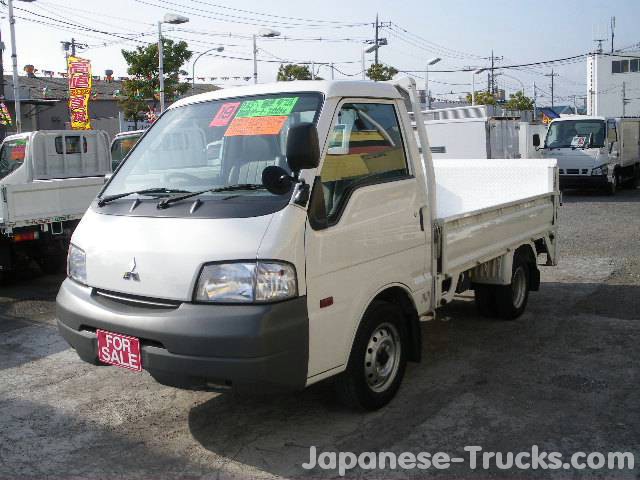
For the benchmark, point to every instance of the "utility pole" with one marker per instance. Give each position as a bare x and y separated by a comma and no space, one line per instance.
552,75
535,102
491,83
376,43
3,128
613,28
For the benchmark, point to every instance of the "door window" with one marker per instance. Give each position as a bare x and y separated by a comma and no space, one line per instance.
365,147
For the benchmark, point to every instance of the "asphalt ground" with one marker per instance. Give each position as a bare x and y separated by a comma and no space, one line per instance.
563,377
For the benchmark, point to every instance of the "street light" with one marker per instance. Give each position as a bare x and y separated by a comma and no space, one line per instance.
265,33
173,19
473,83
14,62
193,68
431,62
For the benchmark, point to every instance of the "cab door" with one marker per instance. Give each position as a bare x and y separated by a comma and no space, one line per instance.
364,229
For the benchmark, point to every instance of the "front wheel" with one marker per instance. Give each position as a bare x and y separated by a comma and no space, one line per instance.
378,359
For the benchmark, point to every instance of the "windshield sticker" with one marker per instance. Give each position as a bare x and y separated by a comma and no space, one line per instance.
255,126
268,107
578,141
225,114
18,152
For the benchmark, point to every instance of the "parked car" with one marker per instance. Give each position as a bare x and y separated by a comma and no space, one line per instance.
314,250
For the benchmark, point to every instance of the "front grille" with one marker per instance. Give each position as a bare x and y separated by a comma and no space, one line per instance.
137,300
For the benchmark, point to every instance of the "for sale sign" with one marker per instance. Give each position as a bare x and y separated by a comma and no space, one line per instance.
120,350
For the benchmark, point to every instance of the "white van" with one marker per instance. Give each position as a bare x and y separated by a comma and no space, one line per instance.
309,243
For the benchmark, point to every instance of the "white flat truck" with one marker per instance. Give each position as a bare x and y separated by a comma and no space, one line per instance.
310,245
595,152
48,178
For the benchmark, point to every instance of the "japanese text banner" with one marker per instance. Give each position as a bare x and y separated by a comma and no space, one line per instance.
80,81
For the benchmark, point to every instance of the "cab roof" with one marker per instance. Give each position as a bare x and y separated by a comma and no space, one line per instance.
328,88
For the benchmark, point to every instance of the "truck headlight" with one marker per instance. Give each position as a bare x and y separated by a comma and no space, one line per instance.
246,282
77,264
601,170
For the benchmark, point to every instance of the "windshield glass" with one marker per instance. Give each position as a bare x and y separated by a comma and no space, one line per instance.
12,155
121,146
576,134
215,144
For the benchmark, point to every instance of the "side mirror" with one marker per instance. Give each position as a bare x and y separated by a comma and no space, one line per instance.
303,150
536,140
277,180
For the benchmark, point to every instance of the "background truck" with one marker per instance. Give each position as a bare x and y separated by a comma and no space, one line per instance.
595,152
480,131
308,244
47,180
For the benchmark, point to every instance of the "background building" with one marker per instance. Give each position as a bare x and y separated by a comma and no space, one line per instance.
613,84
44,103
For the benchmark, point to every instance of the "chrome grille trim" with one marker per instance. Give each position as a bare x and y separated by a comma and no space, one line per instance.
118,297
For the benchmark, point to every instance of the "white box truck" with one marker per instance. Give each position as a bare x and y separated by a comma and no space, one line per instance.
48,178
479,132
308,244
595,152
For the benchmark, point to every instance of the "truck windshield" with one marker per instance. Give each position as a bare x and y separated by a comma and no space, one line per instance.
121,146
12,155
215,144
576,134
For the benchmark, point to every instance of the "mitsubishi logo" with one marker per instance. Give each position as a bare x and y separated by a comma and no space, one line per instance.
132,274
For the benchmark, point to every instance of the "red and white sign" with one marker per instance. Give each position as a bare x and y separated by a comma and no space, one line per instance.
225,114
119,350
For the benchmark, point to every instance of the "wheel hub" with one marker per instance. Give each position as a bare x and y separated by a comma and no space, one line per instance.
382,357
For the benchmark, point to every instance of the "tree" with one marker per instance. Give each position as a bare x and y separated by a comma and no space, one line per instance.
132,103
519,101
143,86
291,71
482,98
381,73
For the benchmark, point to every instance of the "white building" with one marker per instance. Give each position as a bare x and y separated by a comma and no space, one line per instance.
613,84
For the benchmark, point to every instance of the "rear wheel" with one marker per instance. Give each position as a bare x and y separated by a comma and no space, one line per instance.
53,264
378,359
511,300
612,186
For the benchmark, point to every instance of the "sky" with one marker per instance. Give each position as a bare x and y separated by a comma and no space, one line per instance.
462,33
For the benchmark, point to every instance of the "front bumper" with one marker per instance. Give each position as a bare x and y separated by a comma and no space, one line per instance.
583,181
195,345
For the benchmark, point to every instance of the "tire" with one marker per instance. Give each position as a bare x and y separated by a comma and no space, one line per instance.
511,300
612,187
378,359
52,265
485,297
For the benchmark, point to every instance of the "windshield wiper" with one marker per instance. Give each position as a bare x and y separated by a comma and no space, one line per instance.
229,188
147,191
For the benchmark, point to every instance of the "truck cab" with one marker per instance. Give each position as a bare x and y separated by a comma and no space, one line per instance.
594,152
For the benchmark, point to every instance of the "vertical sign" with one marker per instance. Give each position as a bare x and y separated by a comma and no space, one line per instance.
79,76
5,117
